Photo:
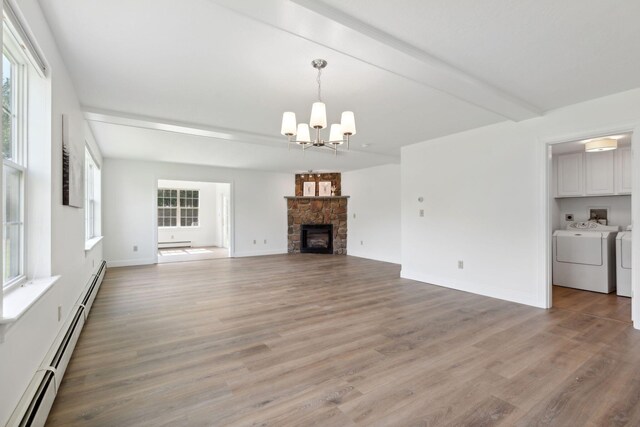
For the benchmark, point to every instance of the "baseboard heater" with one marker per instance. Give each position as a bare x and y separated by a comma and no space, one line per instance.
174,244
34,407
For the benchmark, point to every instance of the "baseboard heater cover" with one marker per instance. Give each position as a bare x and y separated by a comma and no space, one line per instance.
174,244
34,407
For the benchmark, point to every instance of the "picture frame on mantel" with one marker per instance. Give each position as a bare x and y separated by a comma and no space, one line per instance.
324,188
309,189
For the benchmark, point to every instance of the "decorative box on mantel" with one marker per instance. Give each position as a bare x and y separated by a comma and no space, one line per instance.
317,211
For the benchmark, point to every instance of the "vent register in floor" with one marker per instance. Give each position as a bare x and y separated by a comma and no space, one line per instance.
317,224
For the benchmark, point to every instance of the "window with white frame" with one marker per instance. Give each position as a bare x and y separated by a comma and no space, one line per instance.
92,196
14,121
178,208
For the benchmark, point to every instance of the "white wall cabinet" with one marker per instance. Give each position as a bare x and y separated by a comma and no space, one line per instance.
570,175
605,173
623,170
599,173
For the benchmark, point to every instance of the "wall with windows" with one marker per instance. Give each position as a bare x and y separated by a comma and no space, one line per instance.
258,209
205,233
55,234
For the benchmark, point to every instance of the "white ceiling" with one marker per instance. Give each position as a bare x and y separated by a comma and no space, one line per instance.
411,70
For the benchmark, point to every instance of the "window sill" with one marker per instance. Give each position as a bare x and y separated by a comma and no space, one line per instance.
89,244
17,301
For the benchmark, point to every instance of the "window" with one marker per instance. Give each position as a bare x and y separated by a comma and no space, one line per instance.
14,159
167,208
188,208
178,208
92,196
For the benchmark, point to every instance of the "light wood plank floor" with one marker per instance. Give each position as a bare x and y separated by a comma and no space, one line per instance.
609,306
340,341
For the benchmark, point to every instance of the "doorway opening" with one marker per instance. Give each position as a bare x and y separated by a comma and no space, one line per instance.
590,218
193,220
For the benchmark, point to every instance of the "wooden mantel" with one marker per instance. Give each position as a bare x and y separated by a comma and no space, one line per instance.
316,197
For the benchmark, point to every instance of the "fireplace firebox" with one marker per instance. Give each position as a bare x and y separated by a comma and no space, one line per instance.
316,238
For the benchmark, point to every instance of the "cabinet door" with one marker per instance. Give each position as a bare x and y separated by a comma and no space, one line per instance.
599,173
570,175
623,170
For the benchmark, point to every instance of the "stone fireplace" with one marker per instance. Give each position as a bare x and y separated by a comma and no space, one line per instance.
317,224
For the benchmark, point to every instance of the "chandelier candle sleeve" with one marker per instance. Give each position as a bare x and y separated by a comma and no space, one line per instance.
348,123
336,136
318,116
288,124
303,133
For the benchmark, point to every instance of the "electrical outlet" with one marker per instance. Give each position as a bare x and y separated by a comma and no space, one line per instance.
361,242
59,313
354,216
135,248
568,217
460,264
265,241
421,212
254,241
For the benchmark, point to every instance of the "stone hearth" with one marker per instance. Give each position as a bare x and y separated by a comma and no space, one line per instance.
317,210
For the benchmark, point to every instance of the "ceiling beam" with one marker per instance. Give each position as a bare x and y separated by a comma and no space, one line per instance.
117,118
322,24
151,123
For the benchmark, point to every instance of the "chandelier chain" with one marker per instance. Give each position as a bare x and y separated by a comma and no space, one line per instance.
319,84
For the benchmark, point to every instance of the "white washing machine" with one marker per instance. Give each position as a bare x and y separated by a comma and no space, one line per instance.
623,263
584,257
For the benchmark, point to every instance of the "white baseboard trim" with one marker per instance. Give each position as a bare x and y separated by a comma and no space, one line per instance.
131,262
259,253
474,288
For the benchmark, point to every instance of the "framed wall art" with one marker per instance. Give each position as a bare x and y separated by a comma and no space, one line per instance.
72,167
324,188
309,189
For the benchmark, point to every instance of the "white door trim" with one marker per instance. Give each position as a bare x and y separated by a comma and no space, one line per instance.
232,226
545,241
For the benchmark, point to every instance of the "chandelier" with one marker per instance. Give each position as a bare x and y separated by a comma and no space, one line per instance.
339,133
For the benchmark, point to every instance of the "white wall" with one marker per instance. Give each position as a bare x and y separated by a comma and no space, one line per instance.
62,233
374,212
619,209
206,233
259,210
483,192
